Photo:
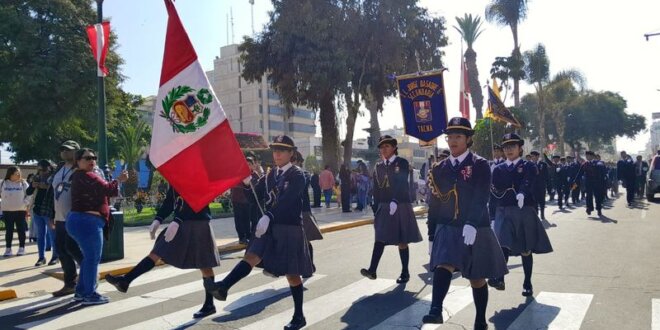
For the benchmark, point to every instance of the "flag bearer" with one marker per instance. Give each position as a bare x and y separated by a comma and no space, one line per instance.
280,244
520,232
394,221
463,240
187,242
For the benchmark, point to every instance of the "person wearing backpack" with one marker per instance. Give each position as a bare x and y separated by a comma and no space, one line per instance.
14,208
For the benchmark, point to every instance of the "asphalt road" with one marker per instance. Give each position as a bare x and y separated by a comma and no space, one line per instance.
603,275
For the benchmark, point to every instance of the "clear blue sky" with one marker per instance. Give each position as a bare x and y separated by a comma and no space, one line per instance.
604,41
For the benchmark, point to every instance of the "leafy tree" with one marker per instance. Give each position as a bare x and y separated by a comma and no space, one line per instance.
132,141
510,13
382,37
564,89
311,164
505,69
470,28
300,50
48,88
537,67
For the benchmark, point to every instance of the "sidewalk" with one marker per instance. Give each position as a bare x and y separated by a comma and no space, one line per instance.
19,278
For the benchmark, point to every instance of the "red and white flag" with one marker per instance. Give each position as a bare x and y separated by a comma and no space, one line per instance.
464,99
99,39
192,144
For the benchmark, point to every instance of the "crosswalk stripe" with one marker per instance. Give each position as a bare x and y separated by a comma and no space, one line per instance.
92,313
554,311
655,314
29,304
457,298
235,301
320,308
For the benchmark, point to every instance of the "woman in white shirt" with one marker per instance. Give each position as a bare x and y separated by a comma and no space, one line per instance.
14,206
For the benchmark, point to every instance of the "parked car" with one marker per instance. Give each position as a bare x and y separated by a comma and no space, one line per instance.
653,178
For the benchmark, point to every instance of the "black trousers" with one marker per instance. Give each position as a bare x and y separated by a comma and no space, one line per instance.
575,194
345,198
242,220
560,195
15,218
69,253
631,188
540,200
594,193
317,196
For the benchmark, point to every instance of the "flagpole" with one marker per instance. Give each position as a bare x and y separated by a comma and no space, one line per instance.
492,142
102,151
256,199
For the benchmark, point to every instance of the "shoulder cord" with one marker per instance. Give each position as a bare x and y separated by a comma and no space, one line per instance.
386,183
494,192
444,197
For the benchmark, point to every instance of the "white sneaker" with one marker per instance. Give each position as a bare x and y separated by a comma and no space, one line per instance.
21,251
8,253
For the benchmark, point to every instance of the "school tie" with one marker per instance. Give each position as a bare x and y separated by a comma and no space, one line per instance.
456,162
279,174
387,162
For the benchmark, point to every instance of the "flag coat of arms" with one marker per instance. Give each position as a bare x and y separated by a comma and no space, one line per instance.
192,144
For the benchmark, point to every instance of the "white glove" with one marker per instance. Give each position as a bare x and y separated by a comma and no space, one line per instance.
170,232
469,234
247,180
521,200
558,169
492,225
154,228
393,207
262,226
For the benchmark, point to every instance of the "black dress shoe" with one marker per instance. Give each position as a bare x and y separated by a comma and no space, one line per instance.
368,274
53,261
527,291
403,278
119,282
600,213
588,212
40,262
497,284
218,290
434,316
296,323
205,311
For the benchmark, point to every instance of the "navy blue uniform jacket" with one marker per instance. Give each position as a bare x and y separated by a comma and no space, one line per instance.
391,182
284,196
182,212
508,182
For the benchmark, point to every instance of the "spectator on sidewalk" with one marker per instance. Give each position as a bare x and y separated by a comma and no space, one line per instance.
90,213
13,192
316,188
345,188
327,182
66,247
641,168
363,181
337,191
42,211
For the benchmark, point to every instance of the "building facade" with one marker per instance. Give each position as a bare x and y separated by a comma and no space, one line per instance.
409,148
255,107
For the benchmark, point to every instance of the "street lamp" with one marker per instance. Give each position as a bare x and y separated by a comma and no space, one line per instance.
102,137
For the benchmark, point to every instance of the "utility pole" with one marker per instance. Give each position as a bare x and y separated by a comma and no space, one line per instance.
102,151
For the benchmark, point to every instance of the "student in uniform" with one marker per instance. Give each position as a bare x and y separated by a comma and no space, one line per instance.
463,240
394,220
311,227
594,172
188,242
574,180
542,182
520,231
280,244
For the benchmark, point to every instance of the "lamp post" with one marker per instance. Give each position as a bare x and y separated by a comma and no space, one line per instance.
102,137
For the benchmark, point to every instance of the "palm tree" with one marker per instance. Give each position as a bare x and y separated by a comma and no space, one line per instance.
131,146
510,13
562,92
470,28
537,67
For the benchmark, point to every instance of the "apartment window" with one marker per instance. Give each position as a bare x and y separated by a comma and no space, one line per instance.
240,97
276,125
294,127
275,110
261,108
259,93
239,81
240,113
273,95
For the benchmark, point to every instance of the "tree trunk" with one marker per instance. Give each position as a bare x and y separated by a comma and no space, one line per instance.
329,132
516,54
372,105
286,115
352,107
473,80
541,117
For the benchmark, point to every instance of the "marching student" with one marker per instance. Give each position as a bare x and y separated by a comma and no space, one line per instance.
280,244
594,173
574,180
188,242
394,220
520,231
463,240
541,183
311,227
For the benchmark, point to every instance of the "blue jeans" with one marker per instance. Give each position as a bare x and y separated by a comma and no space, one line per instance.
87,230
361,198
328,196
45,235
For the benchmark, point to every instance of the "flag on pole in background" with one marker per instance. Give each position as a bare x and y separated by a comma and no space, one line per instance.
464,98
496,109
99,39
192,144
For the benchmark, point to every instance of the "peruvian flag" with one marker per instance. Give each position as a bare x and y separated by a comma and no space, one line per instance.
192,144
99,38
464,99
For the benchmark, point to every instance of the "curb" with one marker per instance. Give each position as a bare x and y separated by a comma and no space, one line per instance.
224,249
7,294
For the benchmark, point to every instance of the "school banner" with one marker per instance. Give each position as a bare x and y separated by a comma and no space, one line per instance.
423,104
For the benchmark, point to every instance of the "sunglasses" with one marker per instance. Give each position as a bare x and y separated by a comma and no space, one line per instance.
88,158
